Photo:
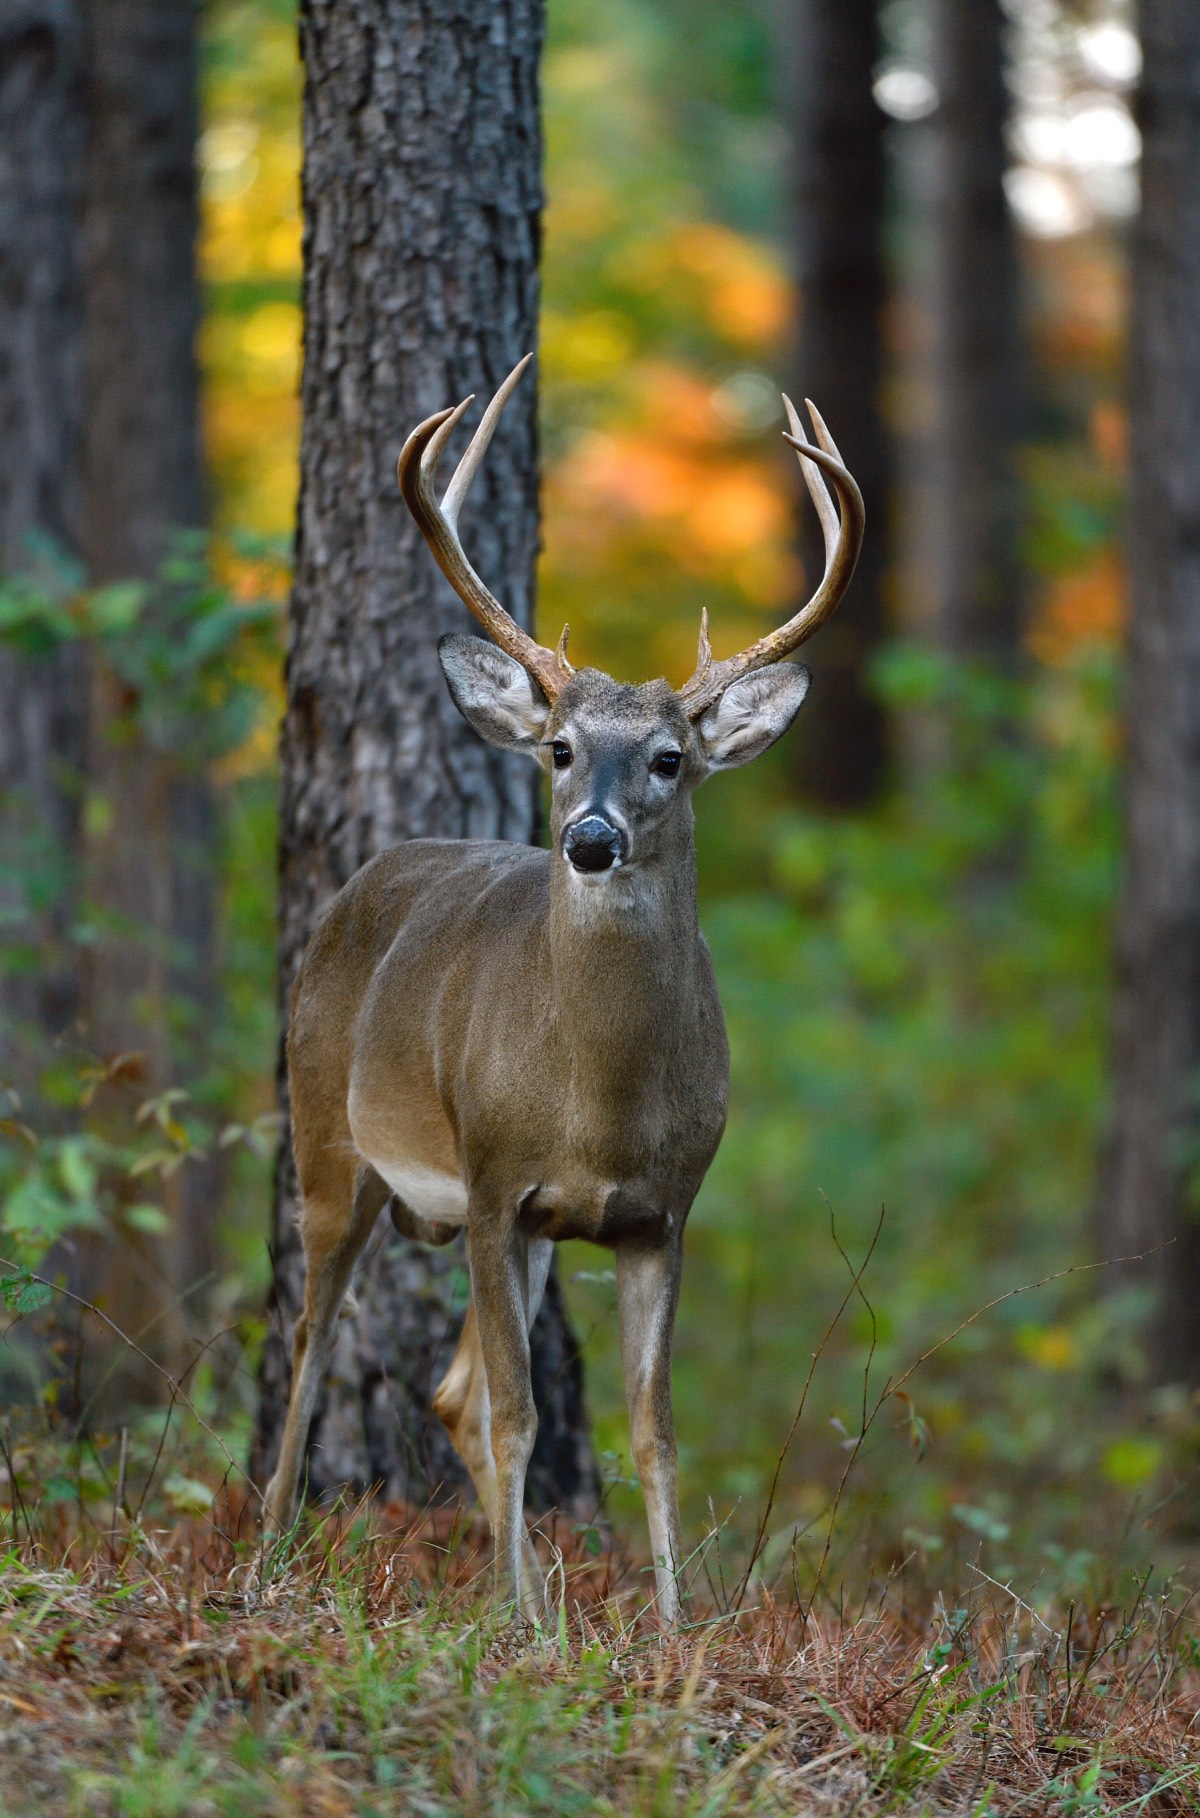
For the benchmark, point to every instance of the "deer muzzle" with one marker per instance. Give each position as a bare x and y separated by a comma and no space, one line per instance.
593,844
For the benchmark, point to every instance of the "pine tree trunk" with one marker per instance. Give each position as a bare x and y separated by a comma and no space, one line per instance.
839,743
977,365
1148,1193
42,696
150,878
422,196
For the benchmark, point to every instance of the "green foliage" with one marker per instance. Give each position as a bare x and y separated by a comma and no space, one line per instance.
182,646
195,654
52,1194
54,1186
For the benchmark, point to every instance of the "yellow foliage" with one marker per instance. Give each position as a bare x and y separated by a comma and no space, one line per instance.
1051,1347
1132,1461
251,208
587,347
250,263
270,341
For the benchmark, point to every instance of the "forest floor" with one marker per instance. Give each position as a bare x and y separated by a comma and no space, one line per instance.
358,1670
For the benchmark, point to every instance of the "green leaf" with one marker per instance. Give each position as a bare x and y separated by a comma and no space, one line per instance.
151,1219
34,1208
1132,1461
165,1160
980,1521
116,609
188,1494
77,1168
22,1294
592,1543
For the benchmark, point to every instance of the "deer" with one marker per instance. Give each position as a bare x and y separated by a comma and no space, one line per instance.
528,1042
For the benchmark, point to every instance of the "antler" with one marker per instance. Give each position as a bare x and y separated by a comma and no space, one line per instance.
416,471
843,540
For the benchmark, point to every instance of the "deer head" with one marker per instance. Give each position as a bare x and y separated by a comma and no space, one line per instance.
623,760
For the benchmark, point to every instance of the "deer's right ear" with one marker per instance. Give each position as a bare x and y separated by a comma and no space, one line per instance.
493,693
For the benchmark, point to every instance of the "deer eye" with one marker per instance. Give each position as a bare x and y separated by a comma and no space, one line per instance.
561,753
666,763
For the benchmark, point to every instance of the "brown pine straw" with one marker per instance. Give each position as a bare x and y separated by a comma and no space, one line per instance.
995,1707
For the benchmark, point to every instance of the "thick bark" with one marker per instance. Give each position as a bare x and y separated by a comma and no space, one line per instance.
422,196
1148,1193
42,700
977,364
144,482
839,743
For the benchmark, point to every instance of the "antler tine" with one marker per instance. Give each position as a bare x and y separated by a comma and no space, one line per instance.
843,540
416,472
817,489
465,472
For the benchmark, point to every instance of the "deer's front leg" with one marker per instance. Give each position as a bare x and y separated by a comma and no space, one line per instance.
647,1295
501,1287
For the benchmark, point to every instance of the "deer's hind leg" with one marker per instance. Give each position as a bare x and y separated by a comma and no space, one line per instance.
463,1405
338,1215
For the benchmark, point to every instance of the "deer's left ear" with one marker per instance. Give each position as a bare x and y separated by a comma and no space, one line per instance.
751,714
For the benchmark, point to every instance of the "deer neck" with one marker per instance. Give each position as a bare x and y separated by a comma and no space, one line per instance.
624,957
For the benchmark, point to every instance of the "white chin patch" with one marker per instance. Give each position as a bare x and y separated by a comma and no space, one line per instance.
593,877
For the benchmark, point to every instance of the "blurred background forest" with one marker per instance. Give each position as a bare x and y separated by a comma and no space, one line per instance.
920,214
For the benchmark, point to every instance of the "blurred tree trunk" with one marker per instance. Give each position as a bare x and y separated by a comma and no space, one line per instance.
1149,1188
422,196
840,740
150,823
42,695
977,362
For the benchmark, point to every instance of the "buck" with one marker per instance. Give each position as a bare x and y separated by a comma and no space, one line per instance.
529,1043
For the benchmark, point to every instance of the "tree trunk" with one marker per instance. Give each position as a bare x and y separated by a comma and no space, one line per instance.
145,476
1149,1188
977,365
144,482
839,742
422,197
42,709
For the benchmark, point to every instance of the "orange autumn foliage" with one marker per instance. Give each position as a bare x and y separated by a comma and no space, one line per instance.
1086,605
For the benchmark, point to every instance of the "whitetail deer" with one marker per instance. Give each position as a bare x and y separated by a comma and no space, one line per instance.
530,1043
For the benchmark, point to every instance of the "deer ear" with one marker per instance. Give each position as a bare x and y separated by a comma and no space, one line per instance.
493,693
751,714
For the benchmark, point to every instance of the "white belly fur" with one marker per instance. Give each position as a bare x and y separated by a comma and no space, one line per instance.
441,1198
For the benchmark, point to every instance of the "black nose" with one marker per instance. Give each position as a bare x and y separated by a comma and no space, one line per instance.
592,844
